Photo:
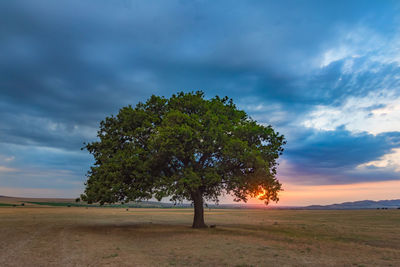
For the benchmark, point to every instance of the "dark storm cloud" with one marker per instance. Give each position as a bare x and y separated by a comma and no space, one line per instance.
330,157
65,65
41,167
340,148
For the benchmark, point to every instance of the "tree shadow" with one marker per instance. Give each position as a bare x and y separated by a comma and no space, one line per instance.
142,230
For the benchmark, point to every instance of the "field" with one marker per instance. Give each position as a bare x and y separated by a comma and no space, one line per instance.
79,236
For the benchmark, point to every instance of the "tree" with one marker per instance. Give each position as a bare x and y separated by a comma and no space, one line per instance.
186,148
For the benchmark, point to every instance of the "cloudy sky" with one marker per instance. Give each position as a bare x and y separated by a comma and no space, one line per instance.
326,74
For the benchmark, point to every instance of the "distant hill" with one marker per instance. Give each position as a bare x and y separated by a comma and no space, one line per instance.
60,202
364,204
10,201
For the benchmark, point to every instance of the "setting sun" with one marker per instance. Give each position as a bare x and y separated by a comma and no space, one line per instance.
261,194
271,127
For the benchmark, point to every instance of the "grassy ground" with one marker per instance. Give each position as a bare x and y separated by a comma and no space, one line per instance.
6,205
61,236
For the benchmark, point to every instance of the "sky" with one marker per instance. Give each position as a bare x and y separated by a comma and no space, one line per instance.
326,74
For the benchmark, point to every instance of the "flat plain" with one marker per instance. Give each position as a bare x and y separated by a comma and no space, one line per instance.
79,236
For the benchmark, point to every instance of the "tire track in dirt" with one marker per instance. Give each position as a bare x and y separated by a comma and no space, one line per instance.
61,248
69,252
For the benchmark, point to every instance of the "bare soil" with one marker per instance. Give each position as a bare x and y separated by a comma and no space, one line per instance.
61,236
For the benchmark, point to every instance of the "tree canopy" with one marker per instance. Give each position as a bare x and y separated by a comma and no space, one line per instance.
184,147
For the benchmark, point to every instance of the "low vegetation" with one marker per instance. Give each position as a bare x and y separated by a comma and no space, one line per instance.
79,236
128,205
6,205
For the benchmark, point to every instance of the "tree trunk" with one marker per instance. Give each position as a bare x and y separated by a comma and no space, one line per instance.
198,220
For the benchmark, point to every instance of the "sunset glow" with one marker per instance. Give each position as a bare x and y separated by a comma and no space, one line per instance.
200,133
298,195
261,194
326,76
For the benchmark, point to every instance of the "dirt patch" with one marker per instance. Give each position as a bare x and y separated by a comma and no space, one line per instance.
151,237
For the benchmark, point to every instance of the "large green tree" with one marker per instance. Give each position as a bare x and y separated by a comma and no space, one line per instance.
187,148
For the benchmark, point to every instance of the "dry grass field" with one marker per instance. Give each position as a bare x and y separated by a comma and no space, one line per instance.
61,236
